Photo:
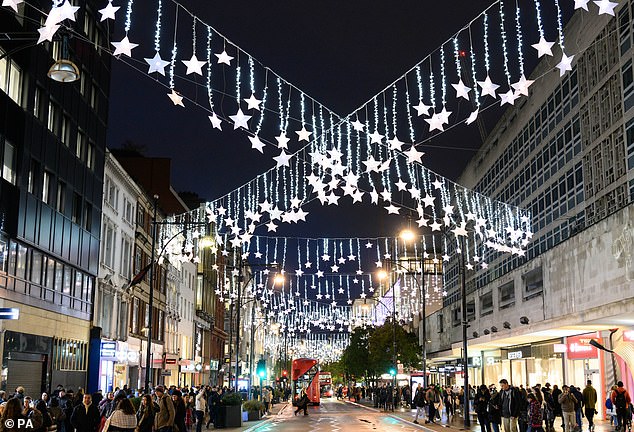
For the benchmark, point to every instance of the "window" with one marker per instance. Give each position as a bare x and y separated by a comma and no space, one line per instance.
109,238
46,187
64,135
3,253
37,103
486,304
456,317
87,217
8,163
111,194
34,177
61,197
126,256
507,295
80,144
53,118
134,316
90,157
77,208
533,283
128,211
471,310
10,78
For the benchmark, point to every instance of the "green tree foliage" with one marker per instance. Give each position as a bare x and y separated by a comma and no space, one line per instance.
370,352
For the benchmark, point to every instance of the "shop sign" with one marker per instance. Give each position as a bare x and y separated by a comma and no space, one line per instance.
579,347
213,364
170,361
108,349
490,361
628,335
519,353
190,368
477,361
9,313
166,373
129,356
513,355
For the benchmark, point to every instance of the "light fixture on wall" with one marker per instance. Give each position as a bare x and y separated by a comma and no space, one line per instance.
476,334
494,329
507,325
64,70
524,320
487,332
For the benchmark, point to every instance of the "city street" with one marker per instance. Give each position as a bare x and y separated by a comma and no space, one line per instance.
333,415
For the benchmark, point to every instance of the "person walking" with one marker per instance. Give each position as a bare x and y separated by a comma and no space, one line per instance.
419,402
495,412
180,410
145,414
621,402
164,418
567,401
431,398
266,398
85,417
201,407
302,403
481,407
578,406
535,413
123,418
510,405
590,402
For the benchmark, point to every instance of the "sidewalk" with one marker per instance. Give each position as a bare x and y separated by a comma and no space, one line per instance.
276,410
456,422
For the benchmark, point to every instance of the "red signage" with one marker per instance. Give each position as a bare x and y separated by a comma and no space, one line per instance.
170,361
628,335
579,347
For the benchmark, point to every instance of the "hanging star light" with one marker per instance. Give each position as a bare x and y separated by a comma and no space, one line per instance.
176,98
225,58
488,87
357,125
240,120
47,33
13,4
303,134
282,141
215,121
376,137
422,109
462,91
257,144
581,4
413,155
282,159
108,12
606,7
543,47
124,47
253,102
508,98
435,123
194,65
565,64
522,85
157,64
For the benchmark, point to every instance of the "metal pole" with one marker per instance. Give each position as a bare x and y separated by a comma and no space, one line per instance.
251,352
238,305
465,325
424,300
230,341
148,360
394,344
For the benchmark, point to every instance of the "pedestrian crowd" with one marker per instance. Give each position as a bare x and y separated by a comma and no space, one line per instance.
122,410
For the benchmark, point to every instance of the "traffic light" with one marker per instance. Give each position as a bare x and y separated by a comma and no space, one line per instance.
284,373
393,371
261,369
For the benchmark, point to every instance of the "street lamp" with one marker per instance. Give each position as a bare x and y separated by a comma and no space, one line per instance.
382,275
408,236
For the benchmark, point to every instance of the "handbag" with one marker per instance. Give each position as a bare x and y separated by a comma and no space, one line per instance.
106,424
102,423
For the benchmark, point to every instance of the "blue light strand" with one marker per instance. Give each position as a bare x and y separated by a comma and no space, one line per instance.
209,86
280,104
238,78
193,34
442,75
128,16
486,42
432,89
409,113
456,54
419,82
473,69
538,12
264,100
157,33
560,27
504,50
174,50
520,43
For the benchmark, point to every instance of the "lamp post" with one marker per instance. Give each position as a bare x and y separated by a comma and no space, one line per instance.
465,325
148,361
382,276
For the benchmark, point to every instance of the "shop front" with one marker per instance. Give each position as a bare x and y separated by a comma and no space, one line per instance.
585,362
170,370
115,359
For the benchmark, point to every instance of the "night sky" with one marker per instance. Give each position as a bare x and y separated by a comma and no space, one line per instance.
339,52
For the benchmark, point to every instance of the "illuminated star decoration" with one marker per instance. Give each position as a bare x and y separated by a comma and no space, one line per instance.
422,109
543,47
435,123
462,90
13,4
606,7
581,4
473,117
124,47
413,155
225,58
488,87
60,13
282,159
253,102
240,119
47,33
508,97
215,121
257,144
522,85
303,135
176,98
565,64
157,64
194,65
108,12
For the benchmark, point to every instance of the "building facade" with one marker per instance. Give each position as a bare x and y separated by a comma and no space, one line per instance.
52,146
565,153
112,299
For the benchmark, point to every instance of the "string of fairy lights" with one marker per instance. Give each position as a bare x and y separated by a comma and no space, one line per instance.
324,157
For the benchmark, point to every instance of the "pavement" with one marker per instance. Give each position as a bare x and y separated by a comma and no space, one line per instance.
456,422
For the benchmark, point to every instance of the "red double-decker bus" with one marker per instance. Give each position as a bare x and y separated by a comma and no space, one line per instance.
305,375
325,384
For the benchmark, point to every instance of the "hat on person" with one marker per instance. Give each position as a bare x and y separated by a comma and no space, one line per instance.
159,389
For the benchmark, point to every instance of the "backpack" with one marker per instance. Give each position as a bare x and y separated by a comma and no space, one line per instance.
608,403
619,400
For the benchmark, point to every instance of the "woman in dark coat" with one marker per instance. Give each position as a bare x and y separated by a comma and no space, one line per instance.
180,410
145,414
495,410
